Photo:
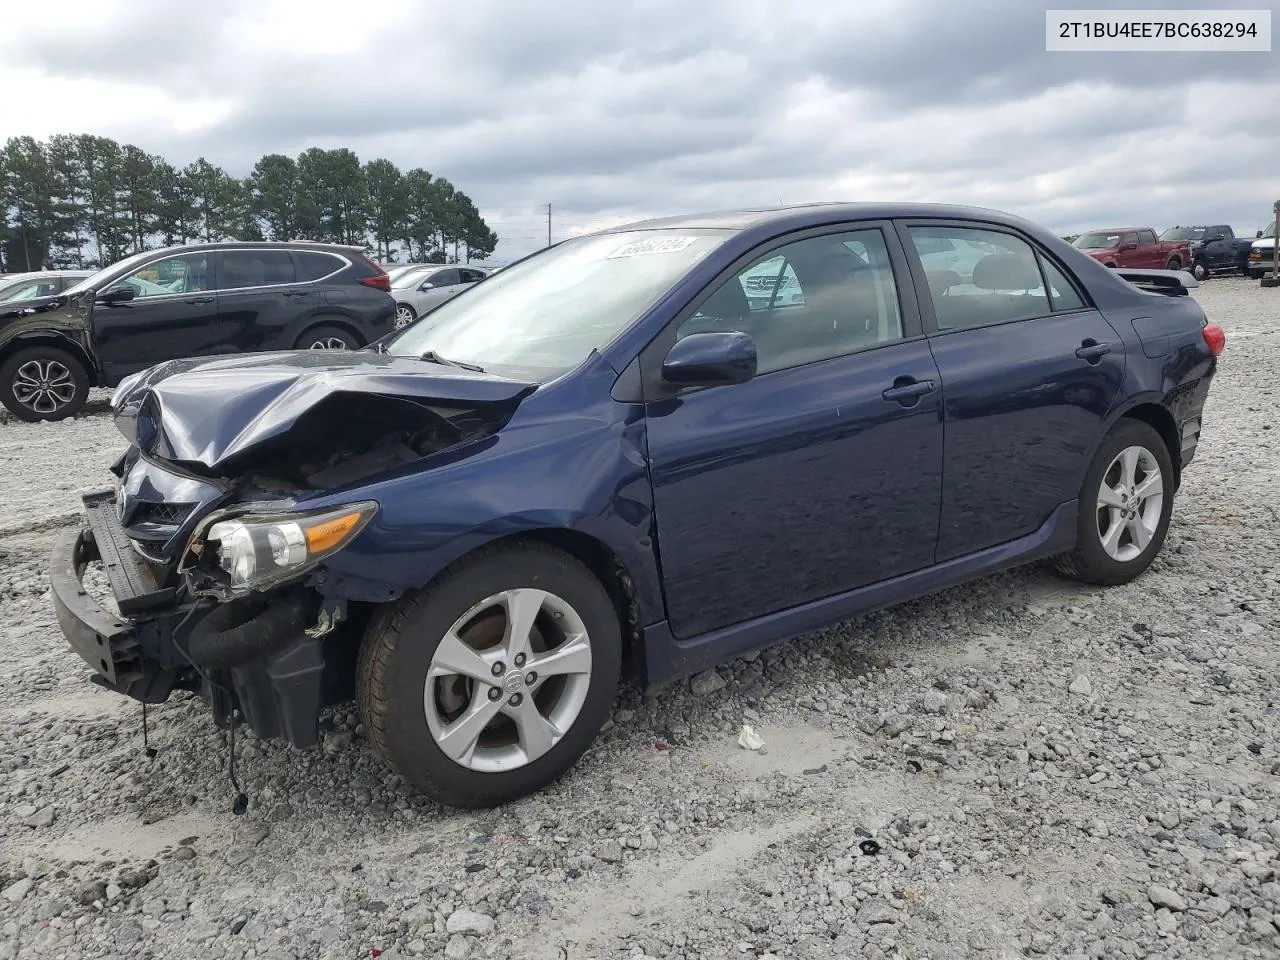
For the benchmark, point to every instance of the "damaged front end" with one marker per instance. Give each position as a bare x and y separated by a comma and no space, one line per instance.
216,561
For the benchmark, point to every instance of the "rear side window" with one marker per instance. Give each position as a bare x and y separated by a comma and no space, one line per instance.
315,266
993,277
256,268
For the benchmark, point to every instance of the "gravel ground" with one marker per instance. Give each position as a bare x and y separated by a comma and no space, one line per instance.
1047,769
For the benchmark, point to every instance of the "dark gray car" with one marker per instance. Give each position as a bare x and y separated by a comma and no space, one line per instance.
417,291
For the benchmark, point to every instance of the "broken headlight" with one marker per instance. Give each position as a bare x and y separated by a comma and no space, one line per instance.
257,551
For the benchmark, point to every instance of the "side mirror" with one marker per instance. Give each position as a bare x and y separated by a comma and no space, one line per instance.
426,285
709,359
118,295
1129,246
1258,235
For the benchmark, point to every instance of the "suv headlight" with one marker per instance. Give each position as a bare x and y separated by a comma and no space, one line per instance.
259,550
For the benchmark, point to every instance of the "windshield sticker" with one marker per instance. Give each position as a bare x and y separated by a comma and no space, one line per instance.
638,248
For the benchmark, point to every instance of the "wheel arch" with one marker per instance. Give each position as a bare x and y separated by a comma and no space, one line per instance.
50,338
1161,420
603,563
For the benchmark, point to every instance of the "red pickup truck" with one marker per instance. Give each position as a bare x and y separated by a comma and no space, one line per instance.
1135,247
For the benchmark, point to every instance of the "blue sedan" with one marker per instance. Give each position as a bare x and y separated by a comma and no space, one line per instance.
676,441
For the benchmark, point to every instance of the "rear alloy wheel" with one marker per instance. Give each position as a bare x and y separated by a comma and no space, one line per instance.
1199,270
327,338
1125,507
404,315
43,383
490,683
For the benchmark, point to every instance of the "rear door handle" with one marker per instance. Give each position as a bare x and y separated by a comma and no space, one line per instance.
908,391
201,300
1093,351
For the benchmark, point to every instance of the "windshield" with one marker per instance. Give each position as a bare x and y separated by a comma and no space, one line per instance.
1270,231
1097,241
93,282
1184,233
544,315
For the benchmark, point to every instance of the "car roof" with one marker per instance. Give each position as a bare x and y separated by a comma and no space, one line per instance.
1117,229
799,216
260,245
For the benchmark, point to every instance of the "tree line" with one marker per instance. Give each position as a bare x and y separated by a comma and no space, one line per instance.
82,201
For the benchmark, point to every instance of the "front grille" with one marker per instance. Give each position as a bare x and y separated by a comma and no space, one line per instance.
162,514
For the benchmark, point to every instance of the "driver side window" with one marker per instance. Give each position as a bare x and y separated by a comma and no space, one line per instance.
808,301
186,273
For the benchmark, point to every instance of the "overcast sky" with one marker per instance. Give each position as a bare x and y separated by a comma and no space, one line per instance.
613,111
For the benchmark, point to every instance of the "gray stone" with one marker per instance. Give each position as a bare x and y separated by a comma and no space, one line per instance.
87,893
935,701
877,910
16,891
1164,897
468,921
610,851
458,948
706,683
1080,685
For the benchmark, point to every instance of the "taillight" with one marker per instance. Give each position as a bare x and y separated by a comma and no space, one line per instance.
1215,338
380,280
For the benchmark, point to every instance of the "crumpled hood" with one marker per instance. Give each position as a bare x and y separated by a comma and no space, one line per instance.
207,410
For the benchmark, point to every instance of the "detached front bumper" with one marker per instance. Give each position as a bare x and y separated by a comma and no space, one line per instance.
113,645
278,686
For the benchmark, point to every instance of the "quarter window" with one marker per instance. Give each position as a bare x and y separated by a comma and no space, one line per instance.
187,273
811,300
314,266
1062,294
256,268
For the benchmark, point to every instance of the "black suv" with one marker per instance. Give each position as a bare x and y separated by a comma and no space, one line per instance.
197,300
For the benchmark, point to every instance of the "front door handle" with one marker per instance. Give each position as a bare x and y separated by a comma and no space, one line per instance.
201,300
1092,350
908,390
295,293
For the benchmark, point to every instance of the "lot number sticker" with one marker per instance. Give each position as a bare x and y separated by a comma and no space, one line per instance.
639,248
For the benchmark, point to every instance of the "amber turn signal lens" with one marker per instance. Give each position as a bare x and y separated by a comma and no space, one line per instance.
324,536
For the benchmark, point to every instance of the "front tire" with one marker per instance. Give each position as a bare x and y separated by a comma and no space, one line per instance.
490,683
1200,271
1126,503
1175,263
405,315
43,383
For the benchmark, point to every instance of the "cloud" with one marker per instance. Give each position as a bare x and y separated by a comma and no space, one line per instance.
619,111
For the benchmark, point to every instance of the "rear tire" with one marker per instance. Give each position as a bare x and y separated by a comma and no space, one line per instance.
436,674
326,337
43,383
1117,514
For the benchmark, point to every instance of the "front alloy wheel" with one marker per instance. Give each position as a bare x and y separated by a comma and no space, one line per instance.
508,680
489,683
329,343
404,316
45,386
